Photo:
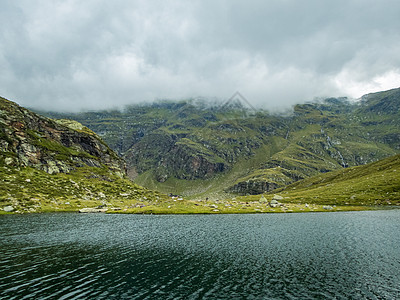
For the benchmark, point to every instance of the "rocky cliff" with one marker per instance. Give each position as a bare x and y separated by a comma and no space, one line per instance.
60,165
28,139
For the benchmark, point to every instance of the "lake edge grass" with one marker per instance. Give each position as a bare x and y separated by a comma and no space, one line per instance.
157,210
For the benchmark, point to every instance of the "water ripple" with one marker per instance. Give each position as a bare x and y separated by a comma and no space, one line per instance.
308,256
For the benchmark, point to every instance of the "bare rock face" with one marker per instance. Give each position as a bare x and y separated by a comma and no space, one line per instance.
28,139
252,187
180,158
185,163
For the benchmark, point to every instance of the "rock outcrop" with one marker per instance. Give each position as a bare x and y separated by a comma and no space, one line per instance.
187,160
252,187
28,139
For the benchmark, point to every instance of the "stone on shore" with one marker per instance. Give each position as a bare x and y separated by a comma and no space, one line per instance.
274,203
263,199
8,208
277,198
327,207
92,210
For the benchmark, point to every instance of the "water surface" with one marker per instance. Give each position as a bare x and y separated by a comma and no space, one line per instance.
271,256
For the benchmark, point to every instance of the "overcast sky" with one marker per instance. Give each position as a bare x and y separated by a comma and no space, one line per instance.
72,55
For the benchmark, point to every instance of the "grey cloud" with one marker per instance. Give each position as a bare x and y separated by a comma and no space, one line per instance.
73,55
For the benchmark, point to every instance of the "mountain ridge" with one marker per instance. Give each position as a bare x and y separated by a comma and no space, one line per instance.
180,146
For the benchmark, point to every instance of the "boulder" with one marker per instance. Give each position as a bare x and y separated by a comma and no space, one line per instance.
277,197
8,208
327,207
274,203
8,160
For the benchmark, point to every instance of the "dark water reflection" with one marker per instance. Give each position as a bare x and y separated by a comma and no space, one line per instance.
309,256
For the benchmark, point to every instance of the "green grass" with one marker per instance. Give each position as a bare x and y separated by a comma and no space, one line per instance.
31,190
62,152
240,205
75,126
373,184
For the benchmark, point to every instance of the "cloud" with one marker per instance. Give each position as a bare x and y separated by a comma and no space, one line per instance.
72,55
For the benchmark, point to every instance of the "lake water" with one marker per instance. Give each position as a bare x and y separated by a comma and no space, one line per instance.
271,256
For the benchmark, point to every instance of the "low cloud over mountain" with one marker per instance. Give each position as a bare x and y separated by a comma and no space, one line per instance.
70,55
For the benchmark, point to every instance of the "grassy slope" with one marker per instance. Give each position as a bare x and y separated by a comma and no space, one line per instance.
31,190
319,141
375,183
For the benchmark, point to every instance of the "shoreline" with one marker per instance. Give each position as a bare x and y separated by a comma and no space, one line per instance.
171,211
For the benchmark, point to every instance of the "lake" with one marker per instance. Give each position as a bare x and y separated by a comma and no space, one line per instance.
260,256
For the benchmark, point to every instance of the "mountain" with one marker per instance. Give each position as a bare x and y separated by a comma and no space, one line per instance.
47,165
380,113
201,149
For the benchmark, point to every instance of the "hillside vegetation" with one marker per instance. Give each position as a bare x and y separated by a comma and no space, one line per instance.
48,165
376,183
199,149
31,190
308,161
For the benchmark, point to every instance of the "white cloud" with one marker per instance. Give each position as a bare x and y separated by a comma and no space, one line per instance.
99,54
356,89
